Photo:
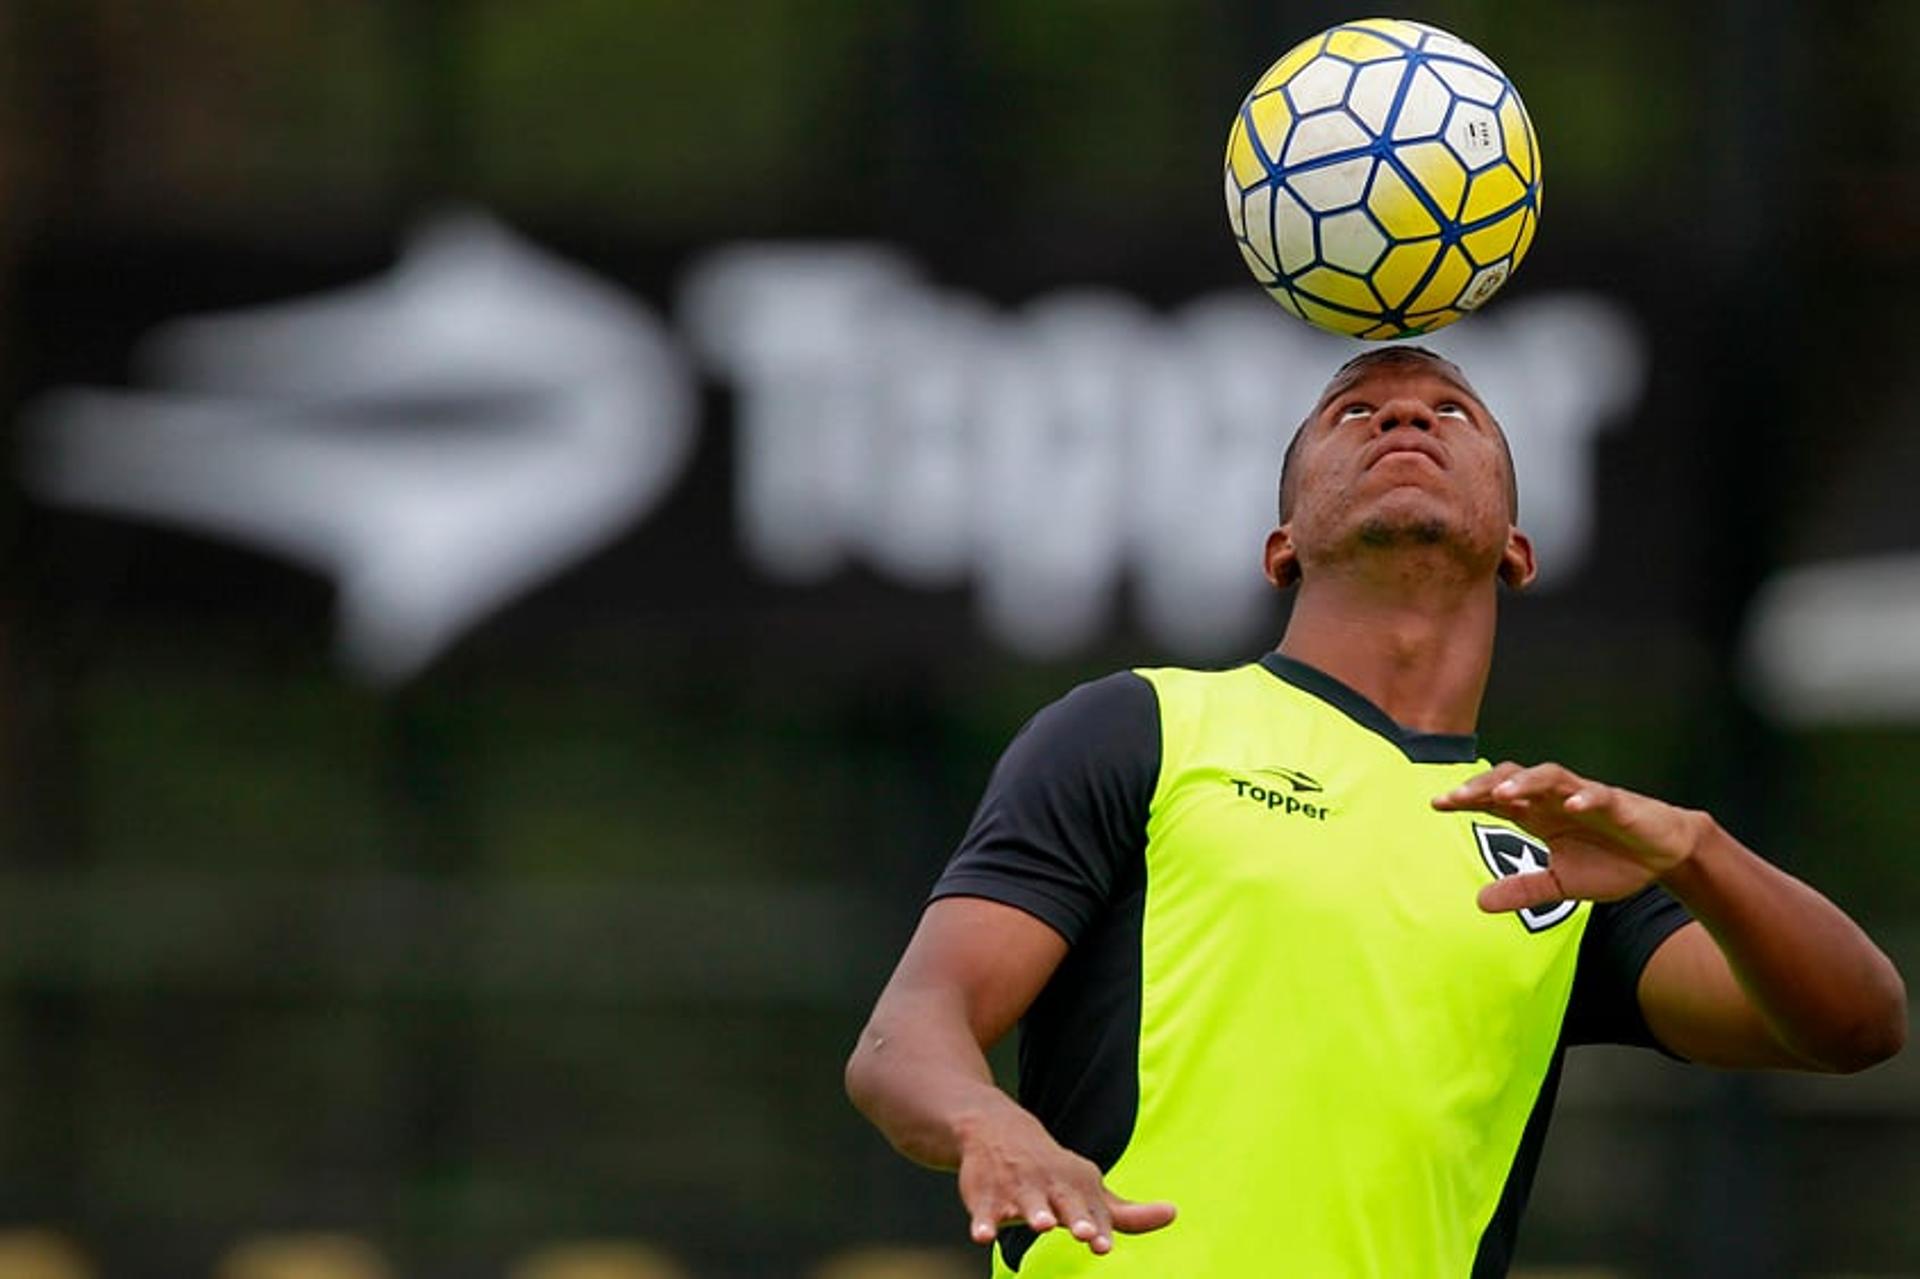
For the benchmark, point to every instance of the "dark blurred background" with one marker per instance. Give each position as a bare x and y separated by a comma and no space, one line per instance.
528,524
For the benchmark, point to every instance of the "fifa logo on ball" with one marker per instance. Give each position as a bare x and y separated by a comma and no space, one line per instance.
1382,179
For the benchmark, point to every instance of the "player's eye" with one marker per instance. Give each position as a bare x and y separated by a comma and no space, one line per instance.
1349,412
1451,408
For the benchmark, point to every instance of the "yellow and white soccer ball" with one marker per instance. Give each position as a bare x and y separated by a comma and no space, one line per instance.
1383,179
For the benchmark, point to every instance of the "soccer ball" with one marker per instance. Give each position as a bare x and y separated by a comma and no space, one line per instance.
1383,179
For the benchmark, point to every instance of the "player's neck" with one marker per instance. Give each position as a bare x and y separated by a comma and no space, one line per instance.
1422,654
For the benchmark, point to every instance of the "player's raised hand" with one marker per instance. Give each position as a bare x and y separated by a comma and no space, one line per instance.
1606,842
1012,1173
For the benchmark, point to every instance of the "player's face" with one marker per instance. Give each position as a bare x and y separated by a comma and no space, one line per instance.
1400,455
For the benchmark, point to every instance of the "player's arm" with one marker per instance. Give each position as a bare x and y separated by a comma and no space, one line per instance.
1062,823
1772,974
920,1073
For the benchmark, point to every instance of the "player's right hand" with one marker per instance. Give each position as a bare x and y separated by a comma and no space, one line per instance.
1012,1173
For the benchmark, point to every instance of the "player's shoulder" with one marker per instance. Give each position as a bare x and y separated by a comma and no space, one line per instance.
1118,699
1098,729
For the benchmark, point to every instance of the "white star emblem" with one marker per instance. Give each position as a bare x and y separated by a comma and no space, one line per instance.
1525,862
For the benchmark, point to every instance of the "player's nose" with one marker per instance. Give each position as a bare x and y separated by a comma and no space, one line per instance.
1403,411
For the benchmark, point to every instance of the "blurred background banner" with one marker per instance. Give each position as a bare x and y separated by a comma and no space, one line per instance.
527,525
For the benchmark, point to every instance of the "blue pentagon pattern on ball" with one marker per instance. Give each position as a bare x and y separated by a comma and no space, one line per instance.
1383,179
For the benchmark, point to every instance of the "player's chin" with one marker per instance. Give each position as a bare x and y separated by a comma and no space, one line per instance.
1394,523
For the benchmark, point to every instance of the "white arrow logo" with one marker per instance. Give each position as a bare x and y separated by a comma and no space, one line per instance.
437,442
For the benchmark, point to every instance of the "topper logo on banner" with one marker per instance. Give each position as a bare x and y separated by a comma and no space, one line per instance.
1045,453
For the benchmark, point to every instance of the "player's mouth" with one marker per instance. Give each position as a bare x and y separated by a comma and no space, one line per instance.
1407,443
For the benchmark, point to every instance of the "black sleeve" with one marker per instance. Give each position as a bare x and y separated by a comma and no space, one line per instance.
1620,938
1064,817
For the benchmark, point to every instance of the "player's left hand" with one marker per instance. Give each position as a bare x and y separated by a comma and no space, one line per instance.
1606,842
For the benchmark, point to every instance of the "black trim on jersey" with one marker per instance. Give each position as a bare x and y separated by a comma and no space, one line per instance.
1495,1253
1604,1008
1620,938
1421,748
1064,817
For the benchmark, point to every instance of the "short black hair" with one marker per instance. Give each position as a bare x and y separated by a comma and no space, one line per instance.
1358,367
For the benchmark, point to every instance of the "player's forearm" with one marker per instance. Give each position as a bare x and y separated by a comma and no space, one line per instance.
1828,994
924,1084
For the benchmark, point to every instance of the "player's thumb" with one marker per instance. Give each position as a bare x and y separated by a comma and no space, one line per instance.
1517,892
1130,1218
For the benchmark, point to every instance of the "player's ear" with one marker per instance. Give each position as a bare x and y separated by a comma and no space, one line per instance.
1283,564
1517,568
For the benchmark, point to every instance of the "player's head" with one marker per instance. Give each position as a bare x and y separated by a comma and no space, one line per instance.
1399,450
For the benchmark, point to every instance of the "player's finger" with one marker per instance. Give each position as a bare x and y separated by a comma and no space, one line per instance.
984,1215
1542,781
1480,783
1474,791
1081,1219
1138,1218
1037,1213
1517,892
1593,799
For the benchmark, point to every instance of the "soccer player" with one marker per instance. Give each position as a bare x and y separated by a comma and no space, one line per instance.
1285,952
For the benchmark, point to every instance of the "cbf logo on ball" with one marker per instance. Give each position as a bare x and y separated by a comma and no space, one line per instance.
1383,179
